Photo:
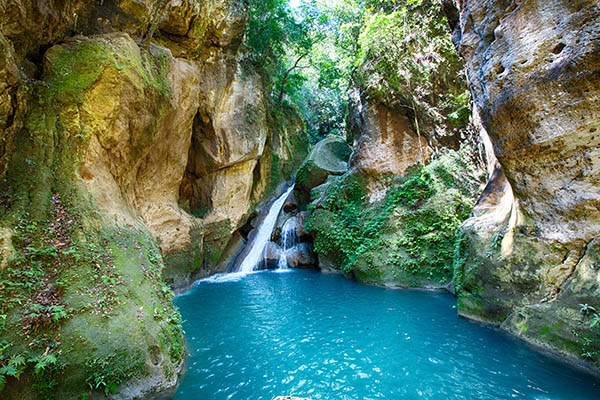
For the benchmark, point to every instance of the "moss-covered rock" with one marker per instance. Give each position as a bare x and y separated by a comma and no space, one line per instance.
328,157
96,138
396,231
507,274
85,308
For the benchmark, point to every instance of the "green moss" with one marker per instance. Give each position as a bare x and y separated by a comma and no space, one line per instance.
215,241
75,67
181,265
304,172
106,285
406,239
275,170
80,292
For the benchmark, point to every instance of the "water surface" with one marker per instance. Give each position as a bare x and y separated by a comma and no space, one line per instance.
321,336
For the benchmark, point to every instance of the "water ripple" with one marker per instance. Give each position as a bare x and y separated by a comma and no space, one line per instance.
258,335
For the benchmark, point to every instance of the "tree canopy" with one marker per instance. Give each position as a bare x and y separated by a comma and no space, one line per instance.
314,52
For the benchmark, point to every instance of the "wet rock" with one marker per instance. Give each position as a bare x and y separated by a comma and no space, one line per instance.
301,233
271,257
290,207
233,249
301,256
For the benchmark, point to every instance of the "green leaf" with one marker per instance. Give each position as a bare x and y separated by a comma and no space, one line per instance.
111,387
9,370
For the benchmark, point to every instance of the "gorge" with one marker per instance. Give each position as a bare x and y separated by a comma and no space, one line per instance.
426,144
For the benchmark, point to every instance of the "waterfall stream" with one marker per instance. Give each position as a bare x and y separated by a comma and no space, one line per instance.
288,240
263,235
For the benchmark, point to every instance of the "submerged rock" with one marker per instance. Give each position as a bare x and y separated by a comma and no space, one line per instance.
290,398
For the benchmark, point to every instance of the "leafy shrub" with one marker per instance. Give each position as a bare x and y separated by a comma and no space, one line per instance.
421,212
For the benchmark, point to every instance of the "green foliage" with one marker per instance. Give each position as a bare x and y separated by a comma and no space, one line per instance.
415,223
276,37
275,170
590,349
12,366
351,232
107,373
398,52
45,370
407,59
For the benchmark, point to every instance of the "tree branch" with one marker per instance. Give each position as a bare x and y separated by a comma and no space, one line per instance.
287,75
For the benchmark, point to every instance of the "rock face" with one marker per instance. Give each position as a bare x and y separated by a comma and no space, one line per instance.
387,143
301,256
534,70
123,164
544,58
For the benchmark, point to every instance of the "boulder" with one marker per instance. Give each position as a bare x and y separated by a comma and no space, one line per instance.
271,256
329,157
301,256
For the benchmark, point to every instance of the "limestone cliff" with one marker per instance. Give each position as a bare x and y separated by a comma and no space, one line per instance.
529,253
134,142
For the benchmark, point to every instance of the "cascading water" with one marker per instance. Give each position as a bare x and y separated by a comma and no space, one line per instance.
264,234
288,240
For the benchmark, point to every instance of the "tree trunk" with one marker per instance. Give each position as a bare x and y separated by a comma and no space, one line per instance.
287,75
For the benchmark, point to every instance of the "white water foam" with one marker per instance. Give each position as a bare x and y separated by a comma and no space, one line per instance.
288,241
263,236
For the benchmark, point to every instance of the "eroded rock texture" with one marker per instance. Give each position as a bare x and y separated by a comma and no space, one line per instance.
534,71
125,162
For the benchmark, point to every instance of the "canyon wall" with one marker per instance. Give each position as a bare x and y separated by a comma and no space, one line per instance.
529,254
127,160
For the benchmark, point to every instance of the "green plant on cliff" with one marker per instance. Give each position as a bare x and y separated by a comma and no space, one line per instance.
415,223
12,366
406,59
103,374
350,230
77,287
589,349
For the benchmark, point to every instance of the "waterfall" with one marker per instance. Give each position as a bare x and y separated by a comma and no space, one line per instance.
263,235
288,240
